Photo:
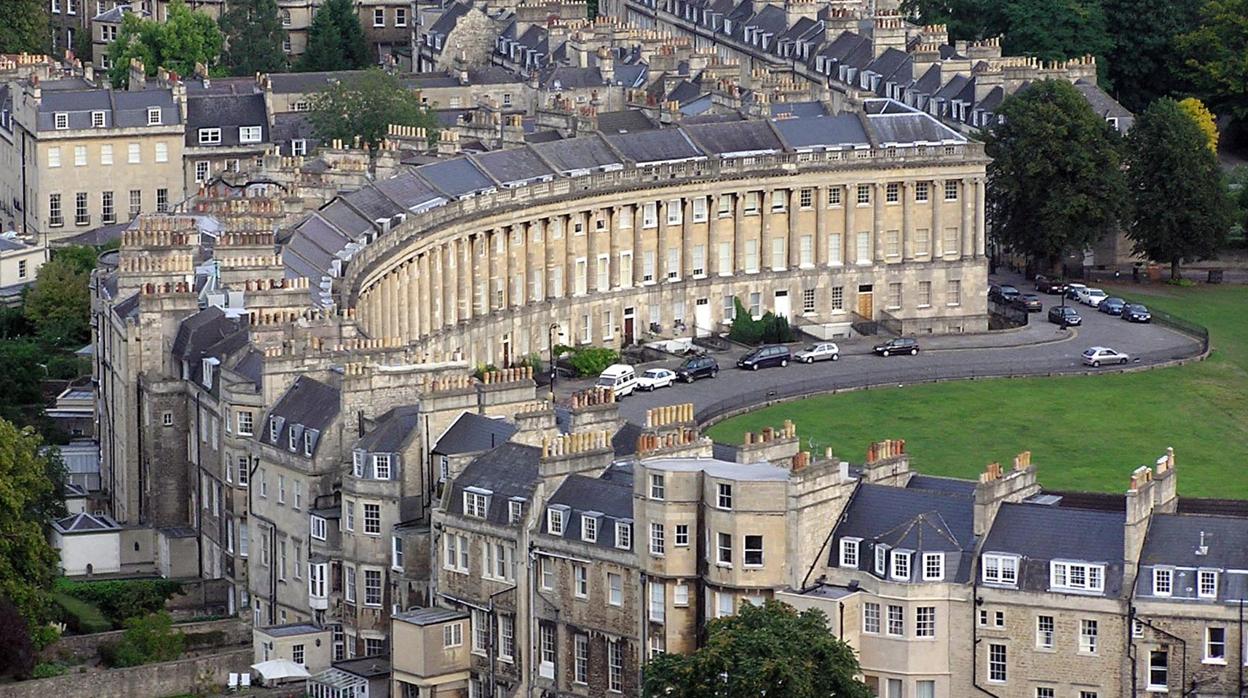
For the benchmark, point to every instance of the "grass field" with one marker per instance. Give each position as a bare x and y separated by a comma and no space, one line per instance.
1085,432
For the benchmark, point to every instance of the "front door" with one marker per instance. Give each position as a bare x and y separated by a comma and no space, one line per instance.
781,305
866,303
702,324
629,314
506,350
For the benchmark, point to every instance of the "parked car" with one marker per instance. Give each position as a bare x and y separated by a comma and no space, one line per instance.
696,367
1002,293
653,378
1095,356
1072,291
1112,306
621,379
1051,286
1134,312
1091,296
765,357
897,345
1058,312
820,351
1029,302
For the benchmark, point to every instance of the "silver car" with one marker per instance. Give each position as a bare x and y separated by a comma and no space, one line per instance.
820,351
1095,356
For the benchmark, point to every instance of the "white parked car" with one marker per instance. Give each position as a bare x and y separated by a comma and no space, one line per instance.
1095,356
1092,296
820,351
656,378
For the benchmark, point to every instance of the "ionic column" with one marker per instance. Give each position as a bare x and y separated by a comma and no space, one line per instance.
613,245
569,256
764,236
638,260
391,324
591,257
548,256
738,231
413,298
508,249
686,238
402,305
938,232
479,249
466,274
849,239
877,221
426,299
968,218
527,230
981,232
450,284
822,254
907,222
795,243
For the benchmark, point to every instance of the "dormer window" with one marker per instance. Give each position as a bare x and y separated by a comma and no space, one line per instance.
999,569
933,567
208,365
308,440
515,510
60,120
849,552
1163,581
274,429
291,440
589,529
554,522
209,136
1207,584
381,466
357,463
153,116
249,134
901,565
97,119
881,559
476,502
1076,576
623,535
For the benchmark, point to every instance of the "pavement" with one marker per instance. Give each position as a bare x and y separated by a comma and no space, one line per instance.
1038,349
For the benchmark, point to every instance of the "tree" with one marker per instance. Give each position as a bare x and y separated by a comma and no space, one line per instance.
185,39
1055,184
1216,57
365,107
20,373
771,650
59,304
147,639
1141,58
1204,119
28,565
253,36
24,27
967,20
81,257
1181,208
1054,30
17,652
335,39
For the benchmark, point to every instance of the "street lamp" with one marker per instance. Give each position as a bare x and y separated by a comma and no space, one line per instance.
552,332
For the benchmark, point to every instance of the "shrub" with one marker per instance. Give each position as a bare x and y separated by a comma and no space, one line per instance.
211,638
122,599
81,617
148,639
591,361
769,329
46,670
482,369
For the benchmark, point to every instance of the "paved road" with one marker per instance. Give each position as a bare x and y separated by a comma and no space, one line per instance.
1040,348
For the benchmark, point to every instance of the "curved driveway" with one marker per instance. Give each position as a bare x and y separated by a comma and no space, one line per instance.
1040,348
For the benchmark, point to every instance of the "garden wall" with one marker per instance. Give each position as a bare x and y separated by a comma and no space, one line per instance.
163,679
78,648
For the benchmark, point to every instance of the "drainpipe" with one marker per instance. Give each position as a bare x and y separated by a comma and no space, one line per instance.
975,604
199,484
828,540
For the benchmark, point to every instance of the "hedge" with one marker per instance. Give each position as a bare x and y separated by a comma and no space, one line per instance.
122,599
80,616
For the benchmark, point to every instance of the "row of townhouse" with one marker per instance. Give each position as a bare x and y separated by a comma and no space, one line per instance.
560,569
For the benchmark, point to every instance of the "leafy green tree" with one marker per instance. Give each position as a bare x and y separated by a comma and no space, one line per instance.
24,27
768,650
253,36
590,361
1144,44
1181,208
59,303
186,38
81,257
1204,118
969,20
335,39
148,639
1054,30
365,107
1216,57
20,373
28,564
1055,184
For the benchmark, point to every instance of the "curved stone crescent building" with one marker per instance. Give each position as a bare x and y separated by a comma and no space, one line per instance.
616,238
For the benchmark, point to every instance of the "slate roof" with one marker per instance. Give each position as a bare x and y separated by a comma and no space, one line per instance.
307,405
392,431
304,83
823,132
121,109
227,112
292,629
578,154
1040,533
610,500
456,178
798,109
507,471
624,441
1175,540
947,485
624,121
514,166
736,138
661,145
473,432
911,519
208,333
429,616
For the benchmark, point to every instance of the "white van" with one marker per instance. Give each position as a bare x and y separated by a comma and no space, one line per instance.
620,378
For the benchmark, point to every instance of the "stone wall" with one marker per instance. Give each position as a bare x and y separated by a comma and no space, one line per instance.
163,679
80,647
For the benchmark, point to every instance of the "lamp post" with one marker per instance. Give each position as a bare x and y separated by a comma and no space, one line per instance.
552,333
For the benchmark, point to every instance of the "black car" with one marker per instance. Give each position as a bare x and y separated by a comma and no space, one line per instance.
1002,293
765,357
897,345
1029,302
1134,312
1112,306
1058,312
1045,284
696,367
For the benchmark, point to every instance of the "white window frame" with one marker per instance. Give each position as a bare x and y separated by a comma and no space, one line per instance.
1089,635
381,466
476,503
1163,581
554,522
658,541
933,567
1062,575
1005,566
850,548
623,535
1209,644
250,134
589,528
1045,635
900,567
871,618
1209,590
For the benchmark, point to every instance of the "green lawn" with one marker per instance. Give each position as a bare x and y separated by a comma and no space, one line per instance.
1084,432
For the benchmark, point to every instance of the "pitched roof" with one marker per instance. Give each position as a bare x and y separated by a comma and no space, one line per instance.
392,431
473,432
121,109
610,500
1041,533
307,405
507,471
1176,539
228,113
